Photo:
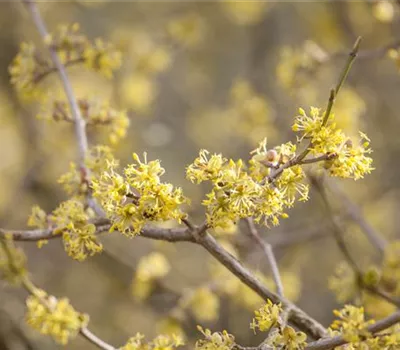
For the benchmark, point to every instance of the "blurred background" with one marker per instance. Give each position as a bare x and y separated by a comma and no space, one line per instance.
214,75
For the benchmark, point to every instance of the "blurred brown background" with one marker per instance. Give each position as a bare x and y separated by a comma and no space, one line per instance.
189,104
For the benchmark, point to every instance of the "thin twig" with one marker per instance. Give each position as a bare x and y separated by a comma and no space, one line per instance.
347,67
328,156
332,96
338,234
267,248
355,213
80,123
44,74
95,340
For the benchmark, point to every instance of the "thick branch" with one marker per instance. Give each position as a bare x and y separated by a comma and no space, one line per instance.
165,234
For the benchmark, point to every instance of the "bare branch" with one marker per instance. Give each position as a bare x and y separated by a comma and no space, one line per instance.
338,234
267,248
80,123
165,234
355,213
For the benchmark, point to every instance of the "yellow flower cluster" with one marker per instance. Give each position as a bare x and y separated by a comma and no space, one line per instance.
54,317
287,339
28,67
352,324
137,197
102,57
349,159
162,342
95,111
12,261
149,269
215,341
71,220
269,317
239,192
72,46
354,329
74,182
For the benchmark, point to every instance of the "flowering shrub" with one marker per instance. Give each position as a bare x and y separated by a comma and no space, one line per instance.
133,200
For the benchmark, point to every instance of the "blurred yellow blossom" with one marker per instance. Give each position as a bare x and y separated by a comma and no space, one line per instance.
245,12
204,304
138,92
383,11
188,30
215,341
351,323
54,317
161,342
149,269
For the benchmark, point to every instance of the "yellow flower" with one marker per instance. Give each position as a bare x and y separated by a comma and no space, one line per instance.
266,317
79,243
54,317
351,323
102,57
215,341
161,342
288,338
150,268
